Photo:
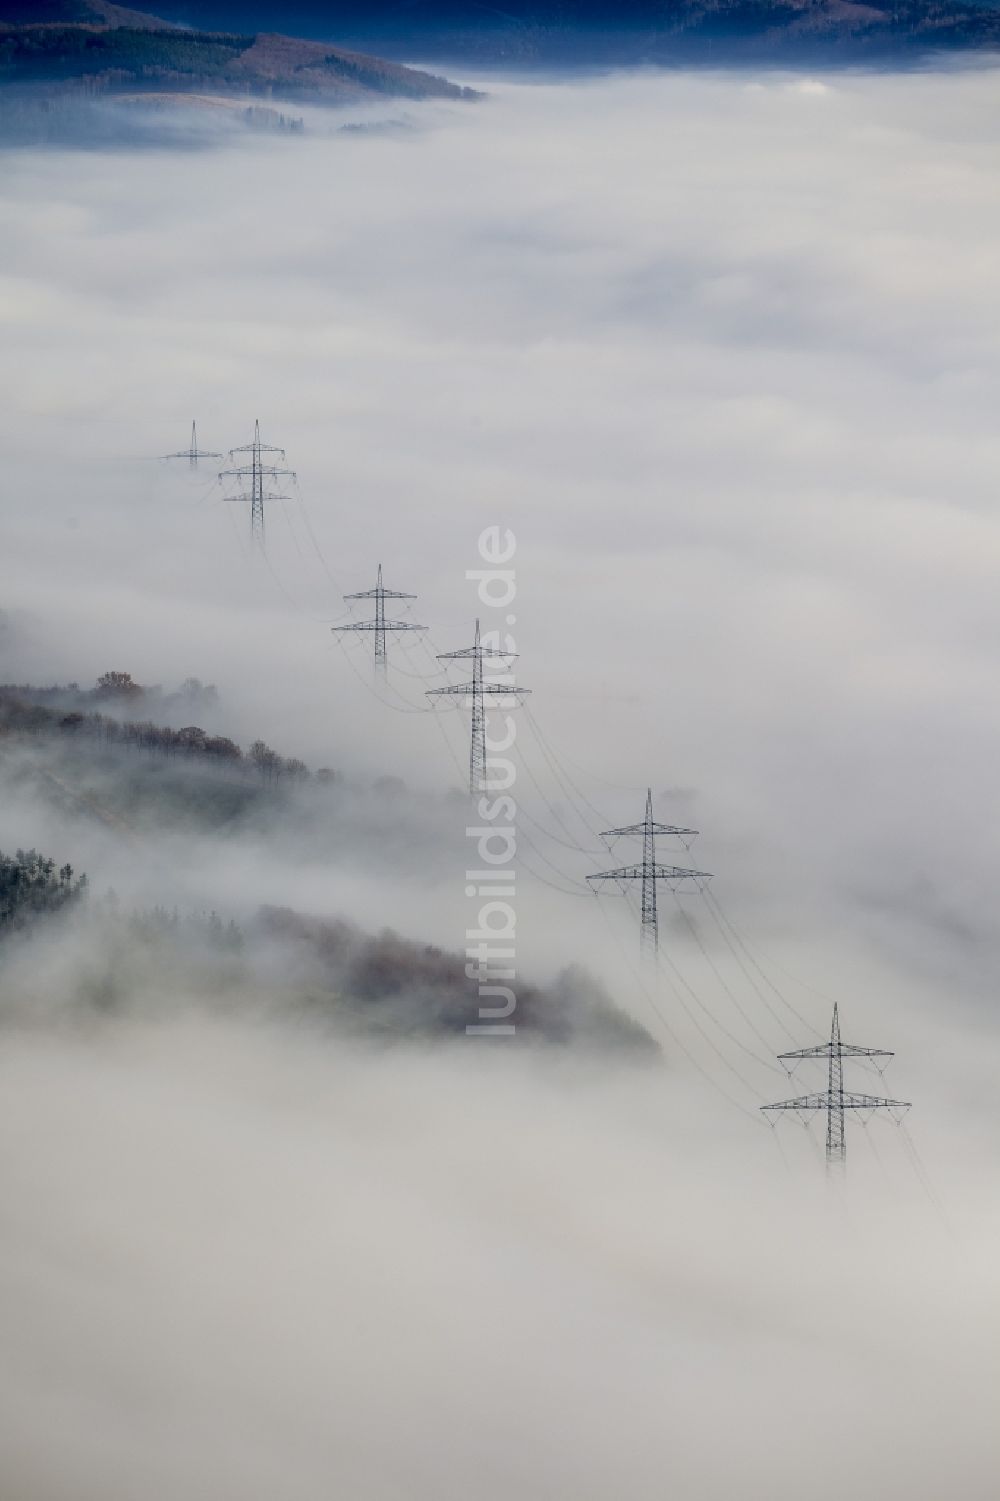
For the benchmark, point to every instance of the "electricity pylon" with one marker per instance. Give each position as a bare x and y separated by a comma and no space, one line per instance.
835,1100
477,692
649,872
379,625
194,453
256,472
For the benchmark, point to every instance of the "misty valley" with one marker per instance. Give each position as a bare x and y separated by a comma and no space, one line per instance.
498,633
88,762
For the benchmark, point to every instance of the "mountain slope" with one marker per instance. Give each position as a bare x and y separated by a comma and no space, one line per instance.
77,12
134,800
527,32
113,53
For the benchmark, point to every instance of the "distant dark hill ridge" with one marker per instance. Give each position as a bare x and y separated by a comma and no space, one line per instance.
596,32
103,48
77,12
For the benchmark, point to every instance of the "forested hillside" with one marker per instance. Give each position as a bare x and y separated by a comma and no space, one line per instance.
102,766
527,33
125,57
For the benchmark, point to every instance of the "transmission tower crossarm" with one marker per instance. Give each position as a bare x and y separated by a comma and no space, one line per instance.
380,593
263,471
472,652
268,495
846,1049
640,829
801,1102
488,690
659,872
379,625
194,453
257,447
847,1100
854,1101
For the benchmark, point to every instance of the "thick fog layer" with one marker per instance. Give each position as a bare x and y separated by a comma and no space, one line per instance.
723,354
232,1264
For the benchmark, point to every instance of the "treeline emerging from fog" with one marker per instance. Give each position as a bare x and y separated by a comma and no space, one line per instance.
31,886
27,710
92,759
106,958
120,56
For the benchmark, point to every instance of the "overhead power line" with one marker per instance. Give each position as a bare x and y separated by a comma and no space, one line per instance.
835,1100
253,479
194,453
478,693
379,625
650,871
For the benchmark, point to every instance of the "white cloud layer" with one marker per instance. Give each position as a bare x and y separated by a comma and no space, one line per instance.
724,352
233,1263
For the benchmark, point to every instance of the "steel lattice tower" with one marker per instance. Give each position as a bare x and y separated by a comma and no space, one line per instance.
836,1101
649,872
380,625
477,693
194,453
256,472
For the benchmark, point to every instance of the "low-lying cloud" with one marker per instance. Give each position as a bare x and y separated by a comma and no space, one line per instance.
234,1260
723,352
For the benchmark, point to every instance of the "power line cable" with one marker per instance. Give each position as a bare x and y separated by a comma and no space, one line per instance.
747,974
667,1028
748,1020
674,978
564,779
722,916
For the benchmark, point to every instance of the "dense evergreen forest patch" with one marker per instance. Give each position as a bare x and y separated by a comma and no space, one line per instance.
31,886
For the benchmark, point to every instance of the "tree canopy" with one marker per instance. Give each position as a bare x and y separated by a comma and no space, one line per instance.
32,886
